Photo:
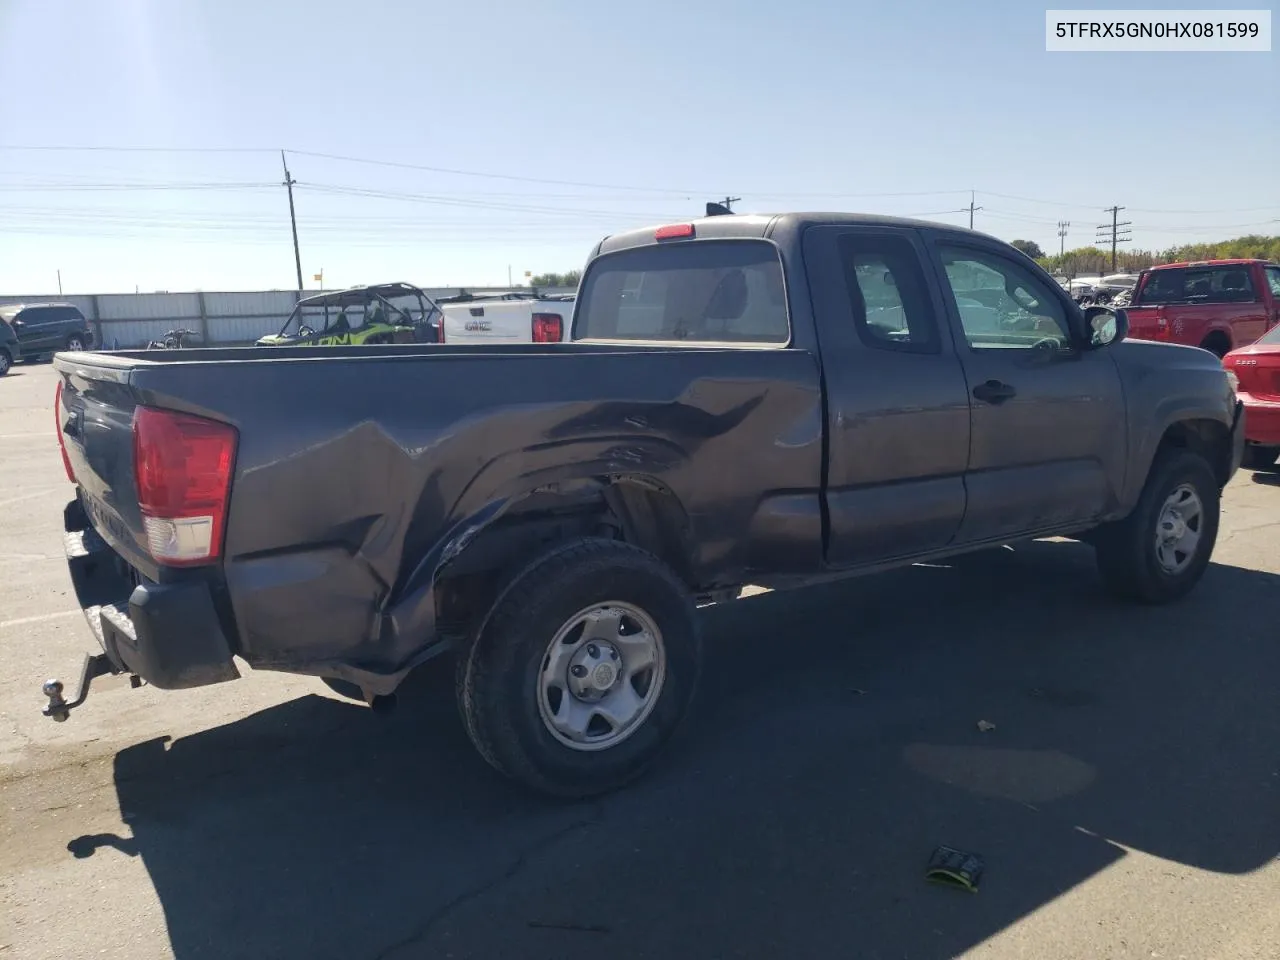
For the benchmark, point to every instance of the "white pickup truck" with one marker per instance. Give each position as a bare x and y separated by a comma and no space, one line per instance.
506,318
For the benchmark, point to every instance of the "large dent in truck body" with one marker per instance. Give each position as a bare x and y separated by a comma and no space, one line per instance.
342,520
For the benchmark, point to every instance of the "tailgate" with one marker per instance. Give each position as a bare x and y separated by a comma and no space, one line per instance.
95,418
489,322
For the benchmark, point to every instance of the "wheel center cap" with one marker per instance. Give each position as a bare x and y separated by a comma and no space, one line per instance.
603,675
1173,527
594,670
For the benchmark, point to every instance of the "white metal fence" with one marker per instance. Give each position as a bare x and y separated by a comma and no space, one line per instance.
123,320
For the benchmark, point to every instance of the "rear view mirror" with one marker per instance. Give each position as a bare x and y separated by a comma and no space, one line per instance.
1107,325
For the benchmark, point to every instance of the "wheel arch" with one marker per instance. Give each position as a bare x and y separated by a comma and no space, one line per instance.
1217,337
1208,437
505,536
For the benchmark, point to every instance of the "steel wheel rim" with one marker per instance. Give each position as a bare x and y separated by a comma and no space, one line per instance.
1179,529
74,344
601,676
4,361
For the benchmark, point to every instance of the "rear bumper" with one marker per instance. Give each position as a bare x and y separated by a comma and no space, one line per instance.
168,634
1263,420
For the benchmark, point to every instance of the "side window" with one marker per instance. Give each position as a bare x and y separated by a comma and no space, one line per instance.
1002,305
1273,281
34,318
1231,285
887,294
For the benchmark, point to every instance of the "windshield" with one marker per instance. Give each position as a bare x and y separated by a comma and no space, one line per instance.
705,291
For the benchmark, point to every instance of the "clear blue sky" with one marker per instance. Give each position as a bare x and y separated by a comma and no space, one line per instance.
803,105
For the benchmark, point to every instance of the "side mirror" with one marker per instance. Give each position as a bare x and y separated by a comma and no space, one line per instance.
1107,325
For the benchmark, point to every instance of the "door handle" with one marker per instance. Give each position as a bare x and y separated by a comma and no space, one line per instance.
993,391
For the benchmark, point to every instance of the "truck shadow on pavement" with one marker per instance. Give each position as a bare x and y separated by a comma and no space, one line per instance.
834,745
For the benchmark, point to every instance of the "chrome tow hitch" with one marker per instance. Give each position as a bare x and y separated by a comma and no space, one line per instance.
95,665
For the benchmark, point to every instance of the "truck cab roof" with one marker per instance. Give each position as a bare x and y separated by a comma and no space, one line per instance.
764,225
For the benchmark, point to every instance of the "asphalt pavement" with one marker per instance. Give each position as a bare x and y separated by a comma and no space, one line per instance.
1126,800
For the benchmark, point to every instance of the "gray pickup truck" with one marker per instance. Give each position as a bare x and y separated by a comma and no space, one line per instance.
769,400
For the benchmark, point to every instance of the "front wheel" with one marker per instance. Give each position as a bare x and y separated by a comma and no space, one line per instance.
1159,552
5,361
582,670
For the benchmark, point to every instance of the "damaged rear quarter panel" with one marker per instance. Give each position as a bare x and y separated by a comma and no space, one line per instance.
356,478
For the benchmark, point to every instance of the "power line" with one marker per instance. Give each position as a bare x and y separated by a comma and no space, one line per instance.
688,194
112,149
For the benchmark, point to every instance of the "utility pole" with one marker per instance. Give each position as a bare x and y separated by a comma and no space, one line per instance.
1063,227
59,281
721,208
1117,232
971,209
293,220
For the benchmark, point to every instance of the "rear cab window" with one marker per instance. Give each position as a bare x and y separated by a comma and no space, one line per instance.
1228,283
696,291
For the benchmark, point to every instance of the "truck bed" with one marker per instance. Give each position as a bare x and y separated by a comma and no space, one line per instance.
360,471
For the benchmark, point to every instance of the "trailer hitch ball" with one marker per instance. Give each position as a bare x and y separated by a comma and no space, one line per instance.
57,709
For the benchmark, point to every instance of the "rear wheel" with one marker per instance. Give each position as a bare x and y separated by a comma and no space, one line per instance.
1159,552
1260,458
75,342
582,670
1217,344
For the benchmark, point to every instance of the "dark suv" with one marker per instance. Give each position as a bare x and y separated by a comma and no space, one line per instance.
10,351
45,328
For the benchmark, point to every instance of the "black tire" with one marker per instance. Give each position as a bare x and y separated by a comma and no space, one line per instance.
1218,345
1259,458
76,342
1126,550
6,361
498,675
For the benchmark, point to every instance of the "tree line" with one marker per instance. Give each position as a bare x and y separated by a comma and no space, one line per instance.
1094,260
569,279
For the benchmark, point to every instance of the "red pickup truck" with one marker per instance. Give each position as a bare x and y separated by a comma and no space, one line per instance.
1215,304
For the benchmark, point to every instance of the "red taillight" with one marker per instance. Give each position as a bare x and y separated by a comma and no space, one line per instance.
547,328
440,330
674,231
182,467
57,426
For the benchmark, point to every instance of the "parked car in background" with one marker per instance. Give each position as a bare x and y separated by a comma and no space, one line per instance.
45,328
360,316
506,318
1218,305
1257,372
769,400
10,349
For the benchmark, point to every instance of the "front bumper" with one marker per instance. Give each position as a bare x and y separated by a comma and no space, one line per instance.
169,634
